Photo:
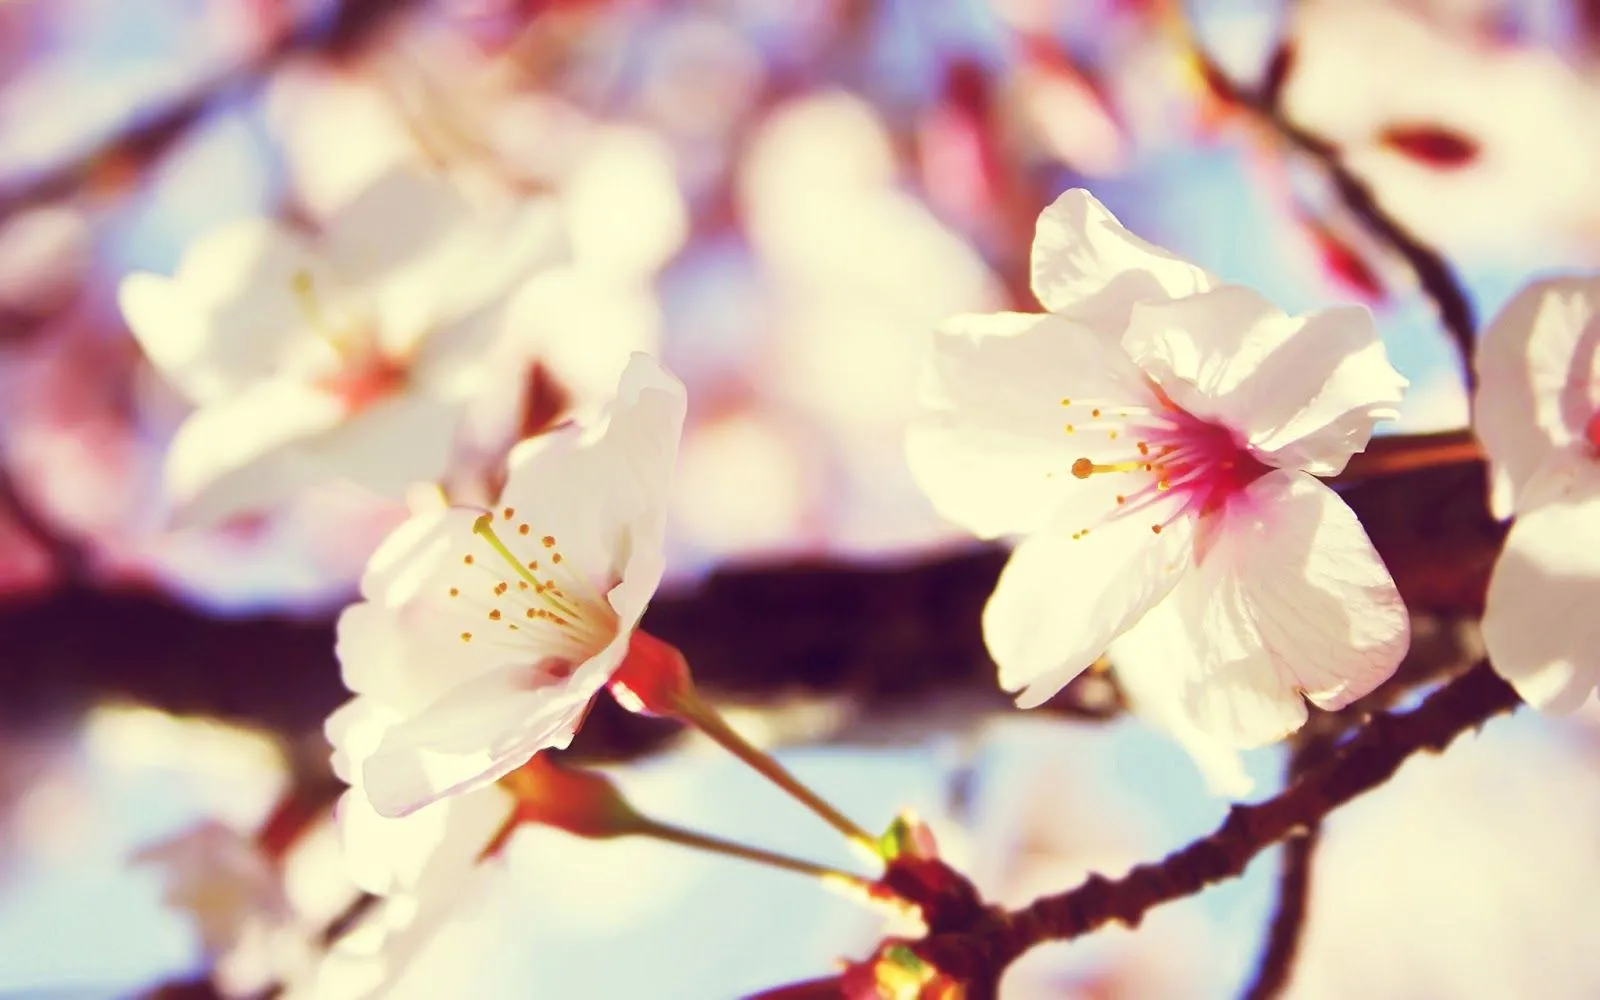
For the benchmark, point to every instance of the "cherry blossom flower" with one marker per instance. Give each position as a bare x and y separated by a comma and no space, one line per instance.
1157,436
484,635
1538,415
236,897
348,358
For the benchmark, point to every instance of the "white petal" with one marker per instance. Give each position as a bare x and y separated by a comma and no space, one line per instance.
231,314
1289,597
1541,623
1302,391
602,493
1060,601
992,451
402,562
389,445
245,453
1152,660
1538,366
477,733
1086,264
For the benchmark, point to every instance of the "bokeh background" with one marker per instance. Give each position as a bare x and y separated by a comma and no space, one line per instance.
781,198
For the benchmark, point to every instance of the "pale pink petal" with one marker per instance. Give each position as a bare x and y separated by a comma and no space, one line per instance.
992,451
246,453
601,494
1061,600
1541,623
479,732
1302,392
1087,265
389,445
406,558
257,449
1152,660
1538,366
231,315
1288,598
394,225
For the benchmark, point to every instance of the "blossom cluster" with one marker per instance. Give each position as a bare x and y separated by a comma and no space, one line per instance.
1159,442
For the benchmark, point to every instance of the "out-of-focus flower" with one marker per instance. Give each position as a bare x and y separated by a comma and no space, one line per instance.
348,359
485,634
1157,435
236,896
44,254
1493,159
424,867
1538,415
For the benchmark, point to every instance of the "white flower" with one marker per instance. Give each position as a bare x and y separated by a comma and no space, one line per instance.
1157,435
236,897
484,635
1538,415
350,358
424,867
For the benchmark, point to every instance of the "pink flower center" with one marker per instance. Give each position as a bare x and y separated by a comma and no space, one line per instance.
1172,459
364,381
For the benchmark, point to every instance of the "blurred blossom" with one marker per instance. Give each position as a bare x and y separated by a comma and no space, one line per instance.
1157,437
24,564
1470,874
622,205
699,76
485,635
745,487
44,257
1524,189
236,773
351,359
860,272
1069,114
235,896
339,132
1538,414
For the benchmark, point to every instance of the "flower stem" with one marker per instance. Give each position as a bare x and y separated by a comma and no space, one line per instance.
706,719
716,845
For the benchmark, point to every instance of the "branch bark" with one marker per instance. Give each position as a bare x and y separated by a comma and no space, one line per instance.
1368,760
145,137
1434,274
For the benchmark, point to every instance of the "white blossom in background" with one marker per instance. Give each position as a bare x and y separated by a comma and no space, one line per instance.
235,895
1157,436
1538,415
484,635
351,357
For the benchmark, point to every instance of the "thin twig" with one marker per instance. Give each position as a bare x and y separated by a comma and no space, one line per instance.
146,136
1437,279
1288,917
1369,759
1311,750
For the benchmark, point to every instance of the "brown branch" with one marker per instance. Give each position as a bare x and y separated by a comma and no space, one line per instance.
1368,760
882,634
147,136
1434,274
1312,748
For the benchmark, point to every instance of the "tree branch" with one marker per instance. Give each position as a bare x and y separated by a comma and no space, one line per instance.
146,136
1369,759
1437,279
